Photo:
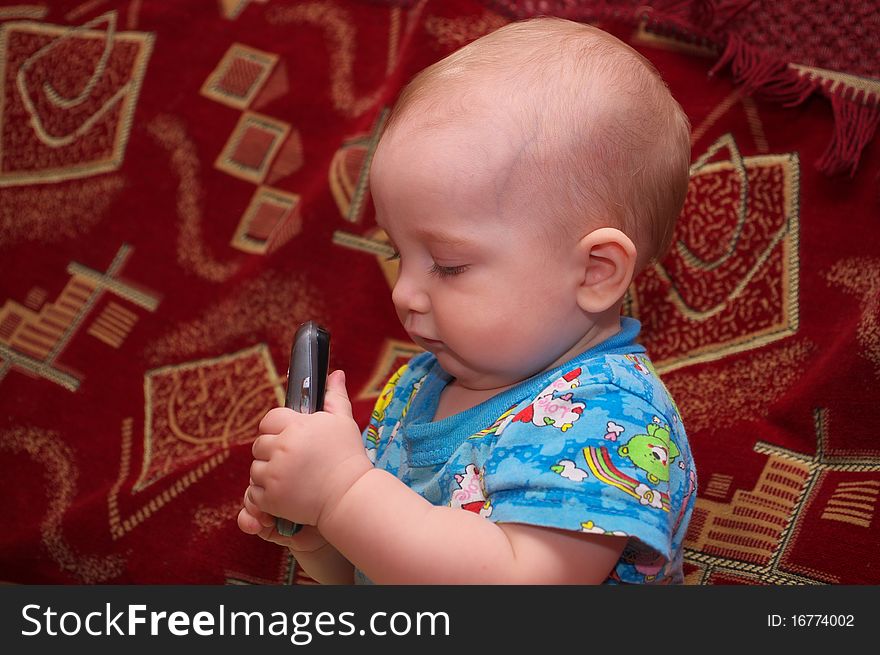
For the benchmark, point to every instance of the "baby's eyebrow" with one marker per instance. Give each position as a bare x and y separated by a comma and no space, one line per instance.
444,238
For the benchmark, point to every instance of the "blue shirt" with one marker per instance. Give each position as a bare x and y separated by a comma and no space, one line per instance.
595,445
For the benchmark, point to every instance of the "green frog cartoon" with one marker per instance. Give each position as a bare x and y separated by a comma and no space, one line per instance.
651,452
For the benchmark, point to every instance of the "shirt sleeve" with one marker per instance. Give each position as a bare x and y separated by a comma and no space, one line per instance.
594,459
392,405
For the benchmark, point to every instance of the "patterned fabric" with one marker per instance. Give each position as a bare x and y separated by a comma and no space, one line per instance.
775,49
183,183
595,445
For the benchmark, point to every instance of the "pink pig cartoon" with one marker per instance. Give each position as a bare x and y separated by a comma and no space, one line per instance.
549,409
470,495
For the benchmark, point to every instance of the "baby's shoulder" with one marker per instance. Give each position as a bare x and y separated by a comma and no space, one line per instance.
632,374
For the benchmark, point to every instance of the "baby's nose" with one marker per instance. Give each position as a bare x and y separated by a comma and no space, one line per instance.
408,297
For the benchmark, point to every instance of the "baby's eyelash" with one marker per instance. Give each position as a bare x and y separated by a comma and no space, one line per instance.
448,271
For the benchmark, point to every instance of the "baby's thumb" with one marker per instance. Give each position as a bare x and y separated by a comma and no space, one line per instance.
336,397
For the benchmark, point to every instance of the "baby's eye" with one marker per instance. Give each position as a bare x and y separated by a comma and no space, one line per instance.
448,271
393,256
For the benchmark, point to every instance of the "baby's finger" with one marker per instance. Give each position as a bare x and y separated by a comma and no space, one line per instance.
247,523
263,446
258,472
276,420
255,494
266,520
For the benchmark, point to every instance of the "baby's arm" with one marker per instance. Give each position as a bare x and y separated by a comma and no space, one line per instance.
319,559
397,537
313,469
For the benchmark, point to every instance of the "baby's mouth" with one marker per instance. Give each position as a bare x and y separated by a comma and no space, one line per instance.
425,342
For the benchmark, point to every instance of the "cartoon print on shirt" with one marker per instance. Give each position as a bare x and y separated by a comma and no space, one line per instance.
592,528
648,563
638,363
376,428
548,409
606,471
569,470
692,487
651,452
651,569
498,426
648,496
613,431
412,394
470,495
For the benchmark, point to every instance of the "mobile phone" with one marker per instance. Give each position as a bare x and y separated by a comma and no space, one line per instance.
306,383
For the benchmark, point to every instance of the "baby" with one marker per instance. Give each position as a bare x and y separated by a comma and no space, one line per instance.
522,181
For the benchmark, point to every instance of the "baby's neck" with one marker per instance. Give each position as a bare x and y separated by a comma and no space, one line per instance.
456,398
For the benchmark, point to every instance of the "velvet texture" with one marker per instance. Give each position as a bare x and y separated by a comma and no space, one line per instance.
183,183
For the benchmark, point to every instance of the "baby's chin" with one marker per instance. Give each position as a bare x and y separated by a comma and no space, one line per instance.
471,376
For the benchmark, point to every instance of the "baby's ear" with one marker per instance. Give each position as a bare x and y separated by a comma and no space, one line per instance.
609,260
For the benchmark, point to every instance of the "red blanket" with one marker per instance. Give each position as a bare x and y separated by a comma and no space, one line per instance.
183,183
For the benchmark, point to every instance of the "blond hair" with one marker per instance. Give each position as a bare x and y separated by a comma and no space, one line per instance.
610,139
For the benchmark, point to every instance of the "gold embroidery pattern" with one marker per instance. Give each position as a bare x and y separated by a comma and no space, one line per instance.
35,298
208,519
718,485
252,146
756,533
273,304
199,410
171,134
751,113
119,525
57,123
134,12
861,277
340,37
33,12
749,387
231,9
374,242
47,448
271,220
735,262
260,148
349,171
756,127
713,116
453,33
33,340
53,213
195,413
853,502
832,80
85,8
643,34
239,76
113,325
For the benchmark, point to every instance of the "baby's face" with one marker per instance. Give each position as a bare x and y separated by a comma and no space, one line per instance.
478,284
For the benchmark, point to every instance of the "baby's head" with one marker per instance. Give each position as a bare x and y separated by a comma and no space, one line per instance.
602,141
549,141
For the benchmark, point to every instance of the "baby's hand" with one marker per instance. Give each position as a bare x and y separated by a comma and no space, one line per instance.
305,463
252,520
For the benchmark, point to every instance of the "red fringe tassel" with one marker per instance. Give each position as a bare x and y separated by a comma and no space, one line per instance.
762,75
855,114
854,126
